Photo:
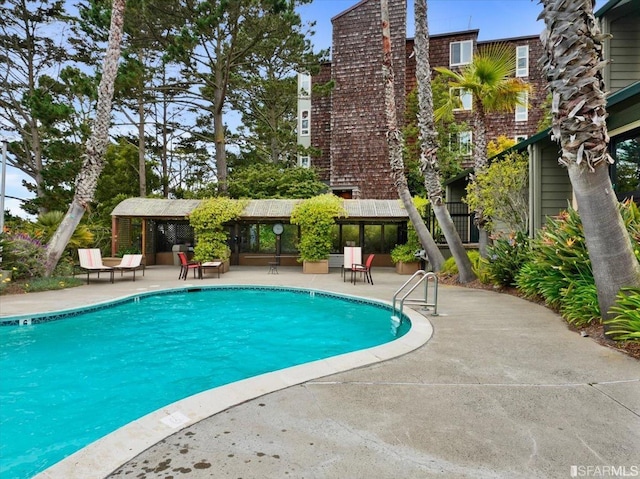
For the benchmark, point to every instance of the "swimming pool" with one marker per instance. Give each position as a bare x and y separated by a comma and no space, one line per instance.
67,383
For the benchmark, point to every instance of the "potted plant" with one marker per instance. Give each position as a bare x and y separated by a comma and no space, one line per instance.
404,258
208,221
316,217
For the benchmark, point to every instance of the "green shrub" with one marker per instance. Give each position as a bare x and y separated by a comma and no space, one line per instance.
47,223
559,269
558,258
24,256
316,217
479,266
579,303
502,192
65,267
405,253
449,267
625,325
208,221
506,257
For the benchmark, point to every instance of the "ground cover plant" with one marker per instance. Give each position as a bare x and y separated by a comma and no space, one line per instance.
23,258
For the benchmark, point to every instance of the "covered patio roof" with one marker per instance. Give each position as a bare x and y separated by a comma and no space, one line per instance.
272,209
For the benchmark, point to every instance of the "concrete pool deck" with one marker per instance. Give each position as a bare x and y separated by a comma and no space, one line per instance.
502,389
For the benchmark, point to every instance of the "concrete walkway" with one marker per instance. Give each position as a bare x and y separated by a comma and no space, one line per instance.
502,390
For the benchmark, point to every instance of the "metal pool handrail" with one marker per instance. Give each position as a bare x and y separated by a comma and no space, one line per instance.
422,277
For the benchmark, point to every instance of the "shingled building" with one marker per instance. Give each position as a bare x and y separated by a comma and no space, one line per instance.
347,127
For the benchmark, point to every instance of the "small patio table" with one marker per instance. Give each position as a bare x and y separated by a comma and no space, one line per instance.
211,264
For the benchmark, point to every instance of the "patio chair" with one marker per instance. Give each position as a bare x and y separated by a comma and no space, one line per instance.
273,265
352,255
91,262
186,265
363,268
130,262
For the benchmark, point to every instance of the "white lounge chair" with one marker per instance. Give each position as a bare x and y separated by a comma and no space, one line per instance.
130,262
352,256
91,262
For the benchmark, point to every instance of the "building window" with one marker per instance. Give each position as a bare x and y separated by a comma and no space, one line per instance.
304,84
520,138
462,141
304,123
460,53
522,61
304,161
462,99
522,111
625,172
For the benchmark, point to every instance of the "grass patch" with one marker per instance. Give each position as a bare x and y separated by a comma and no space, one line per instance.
39,284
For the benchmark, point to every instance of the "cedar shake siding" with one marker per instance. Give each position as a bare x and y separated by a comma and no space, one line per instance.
349,126
359,160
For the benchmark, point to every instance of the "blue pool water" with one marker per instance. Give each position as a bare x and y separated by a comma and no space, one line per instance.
67,383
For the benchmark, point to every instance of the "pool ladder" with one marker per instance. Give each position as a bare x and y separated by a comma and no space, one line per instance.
418,278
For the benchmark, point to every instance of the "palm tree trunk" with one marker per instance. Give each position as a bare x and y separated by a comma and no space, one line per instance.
573,63
93,163
394,141
429,147
480,164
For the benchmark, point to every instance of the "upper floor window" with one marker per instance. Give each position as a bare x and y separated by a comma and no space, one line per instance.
522,111
304,84
304,161
463,141
522,61
462,98
304,123
460,53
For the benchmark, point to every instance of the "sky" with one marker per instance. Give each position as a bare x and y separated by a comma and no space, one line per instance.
495,19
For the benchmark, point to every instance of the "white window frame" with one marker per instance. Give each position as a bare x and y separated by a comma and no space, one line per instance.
468,44
520,138
522,112
304,85
522,53
464,140
304,161
466,146
466,100
305,129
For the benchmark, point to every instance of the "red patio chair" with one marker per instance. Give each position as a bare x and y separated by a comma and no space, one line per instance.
363,268
186,265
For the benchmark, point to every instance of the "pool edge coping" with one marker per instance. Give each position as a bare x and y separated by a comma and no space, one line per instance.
105,455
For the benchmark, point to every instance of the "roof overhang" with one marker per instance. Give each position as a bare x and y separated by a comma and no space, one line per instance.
266,210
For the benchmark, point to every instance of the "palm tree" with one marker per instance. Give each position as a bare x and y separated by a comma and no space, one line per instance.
573,64
395,141
93,163
490,81
429,147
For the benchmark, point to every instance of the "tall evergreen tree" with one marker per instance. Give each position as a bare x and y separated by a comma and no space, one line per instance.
37,105
217,40
264,90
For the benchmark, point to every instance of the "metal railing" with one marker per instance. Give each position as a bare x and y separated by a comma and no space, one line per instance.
418,278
